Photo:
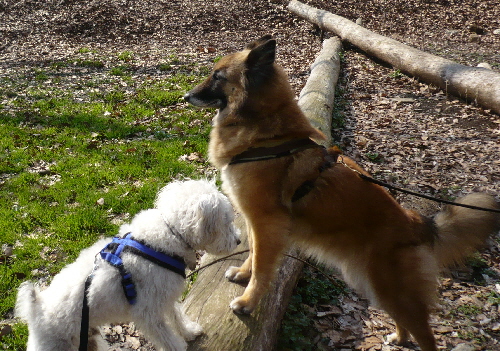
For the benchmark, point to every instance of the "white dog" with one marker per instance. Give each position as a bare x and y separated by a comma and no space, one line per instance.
189,216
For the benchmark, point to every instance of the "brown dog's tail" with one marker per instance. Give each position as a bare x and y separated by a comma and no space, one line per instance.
463,230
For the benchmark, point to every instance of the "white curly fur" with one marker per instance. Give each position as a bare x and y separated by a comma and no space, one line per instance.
202,219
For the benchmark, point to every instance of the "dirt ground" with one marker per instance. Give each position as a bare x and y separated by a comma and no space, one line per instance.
428,142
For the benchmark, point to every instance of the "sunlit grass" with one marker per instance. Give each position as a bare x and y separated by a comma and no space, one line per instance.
80,154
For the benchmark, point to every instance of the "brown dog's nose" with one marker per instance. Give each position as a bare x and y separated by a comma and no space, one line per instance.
187,96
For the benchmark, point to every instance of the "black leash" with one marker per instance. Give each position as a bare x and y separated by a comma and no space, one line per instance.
85,323
392,187
316,268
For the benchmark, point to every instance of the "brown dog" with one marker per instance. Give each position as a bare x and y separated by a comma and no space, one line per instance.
291,190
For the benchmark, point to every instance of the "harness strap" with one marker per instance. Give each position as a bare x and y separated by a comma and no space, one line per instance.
286,149
114,258
306,187
174,264
269,153
112,253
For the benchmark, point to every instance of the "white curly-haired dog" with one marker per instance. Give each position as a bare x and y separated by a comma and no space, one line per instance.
189,215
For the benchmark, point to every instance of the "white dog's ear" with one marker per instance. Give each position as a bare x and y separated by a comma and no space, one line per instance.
193,217
216,232
208,212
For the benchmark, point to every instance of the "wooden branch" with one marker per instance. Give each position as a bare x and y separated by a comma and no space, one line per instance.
209,297
475,84
317,97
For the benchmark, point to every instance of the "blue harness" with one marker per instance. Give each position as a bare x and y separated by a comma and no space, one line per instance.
112,253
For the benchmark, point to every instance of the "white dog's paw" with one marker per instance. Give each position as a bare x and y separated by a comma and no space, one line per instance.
193,330
236,275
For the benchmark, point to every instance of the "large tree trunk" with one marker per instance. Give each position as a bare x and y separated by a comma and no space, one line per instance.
209,297
475,84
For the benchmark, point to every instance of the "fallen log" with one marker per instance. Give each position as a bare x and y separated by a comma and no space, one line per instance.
208,304
476,84
317,97
208,299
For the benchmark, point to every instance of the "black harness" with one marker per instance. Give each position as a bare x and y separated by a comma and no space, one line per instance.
112,253
286,149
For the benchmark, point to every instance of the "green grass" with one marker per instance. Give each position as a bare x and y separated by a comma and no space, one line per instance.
494,298
85,50
396,74
71,139
468,310
126,56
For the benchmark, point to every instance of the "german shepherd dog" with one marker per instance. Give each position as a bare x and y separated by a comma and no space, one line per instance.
291,190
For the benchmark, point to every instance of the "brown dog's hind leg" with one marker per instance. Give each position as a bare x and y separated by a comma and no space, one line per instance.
400,337
414,320
403,280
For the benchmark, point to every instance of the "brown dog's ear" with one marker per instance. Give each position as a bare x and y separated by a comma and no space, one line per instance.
258,42
260,63
262,55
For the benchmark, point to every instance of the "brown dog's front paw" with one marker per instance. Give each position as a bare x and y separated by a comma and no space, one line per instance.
237,275
241,306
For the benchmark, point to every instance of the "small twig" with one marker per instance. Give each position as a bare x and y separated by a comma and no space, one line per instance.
333,281
324,274
216,261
